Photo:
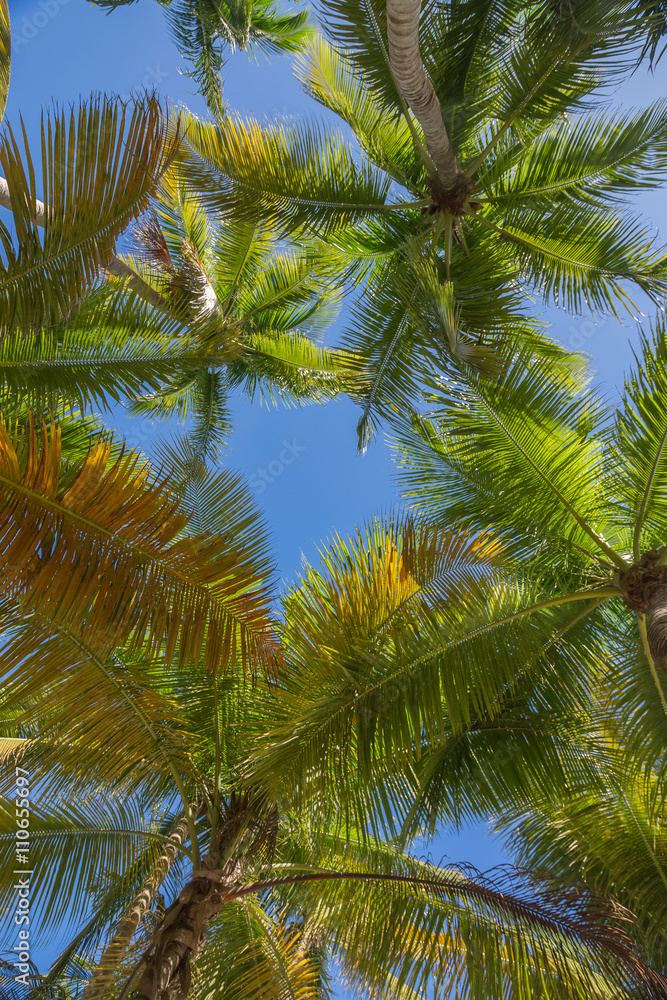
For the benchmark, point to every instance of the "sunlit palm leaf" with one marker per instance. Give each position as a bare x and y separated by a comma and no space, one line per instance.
100,166
100,550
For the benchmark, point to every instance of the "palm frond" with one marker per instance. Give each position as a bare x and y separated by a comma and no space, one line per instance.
100,167
638,477
290,368
291,177
596,158
74,848
99,550
333,79
250,955
522,450
5,55
583,257
483,935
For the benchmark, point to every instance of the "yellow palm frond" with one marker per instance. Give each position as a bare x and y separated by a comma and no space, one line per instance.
98,548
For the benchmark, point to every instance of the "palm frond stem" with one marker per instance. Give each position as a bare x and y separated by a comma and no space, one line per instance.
641,619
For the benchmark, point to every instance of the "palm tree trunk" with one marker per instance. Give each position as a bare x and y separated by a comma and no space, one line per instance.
417,90
127,926
167,973
656,623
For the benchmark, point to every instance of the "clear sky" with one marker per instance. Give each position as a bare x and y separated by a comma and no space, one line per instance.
65,48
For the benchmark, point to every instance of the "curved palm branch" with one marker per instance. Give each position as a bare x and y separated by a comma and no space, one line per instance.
98,549
113,153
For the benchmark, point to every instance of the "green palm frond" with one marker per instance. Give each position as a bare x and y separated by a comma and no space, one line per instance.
522,450
73,848
301,174
596,158
639,476
129,736
206,30
290,368
100,167
232,290
584,256
102,354
252,955
447,929
609,838
341,86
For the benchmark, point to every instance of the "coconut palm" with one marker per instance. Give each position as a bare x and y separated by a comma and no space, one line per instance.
265,892
69,340
446,267
205,30
100,167
253,308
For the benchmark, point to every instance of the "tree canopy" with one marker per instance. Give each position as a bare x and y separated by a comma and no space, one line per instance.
213,783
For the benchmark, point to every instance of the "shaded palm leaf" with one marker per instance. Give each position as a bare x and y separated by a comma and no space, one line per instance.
205,30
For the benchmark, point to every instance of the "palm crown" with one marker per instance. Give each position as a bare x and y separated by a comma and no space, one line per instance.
546,179
576,494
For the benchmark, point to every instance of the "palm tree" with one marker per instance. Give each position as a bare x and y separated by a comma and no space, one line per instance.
69,340
100,167
204,30
253,308
444,268
264,891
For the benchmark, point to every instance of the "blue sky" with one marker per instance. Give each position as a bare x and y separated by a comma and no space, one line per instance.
65,48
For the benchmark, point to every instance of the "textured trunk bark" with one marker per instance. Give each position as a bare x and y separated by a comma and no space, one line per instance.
656,623
127,926
115,266
416,88
167,973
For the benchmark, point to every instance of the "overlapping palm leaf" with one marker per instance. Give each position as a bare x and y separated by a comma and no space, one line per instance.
96,550
514,102
100,166
5,55
255,310
610,836
422,647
